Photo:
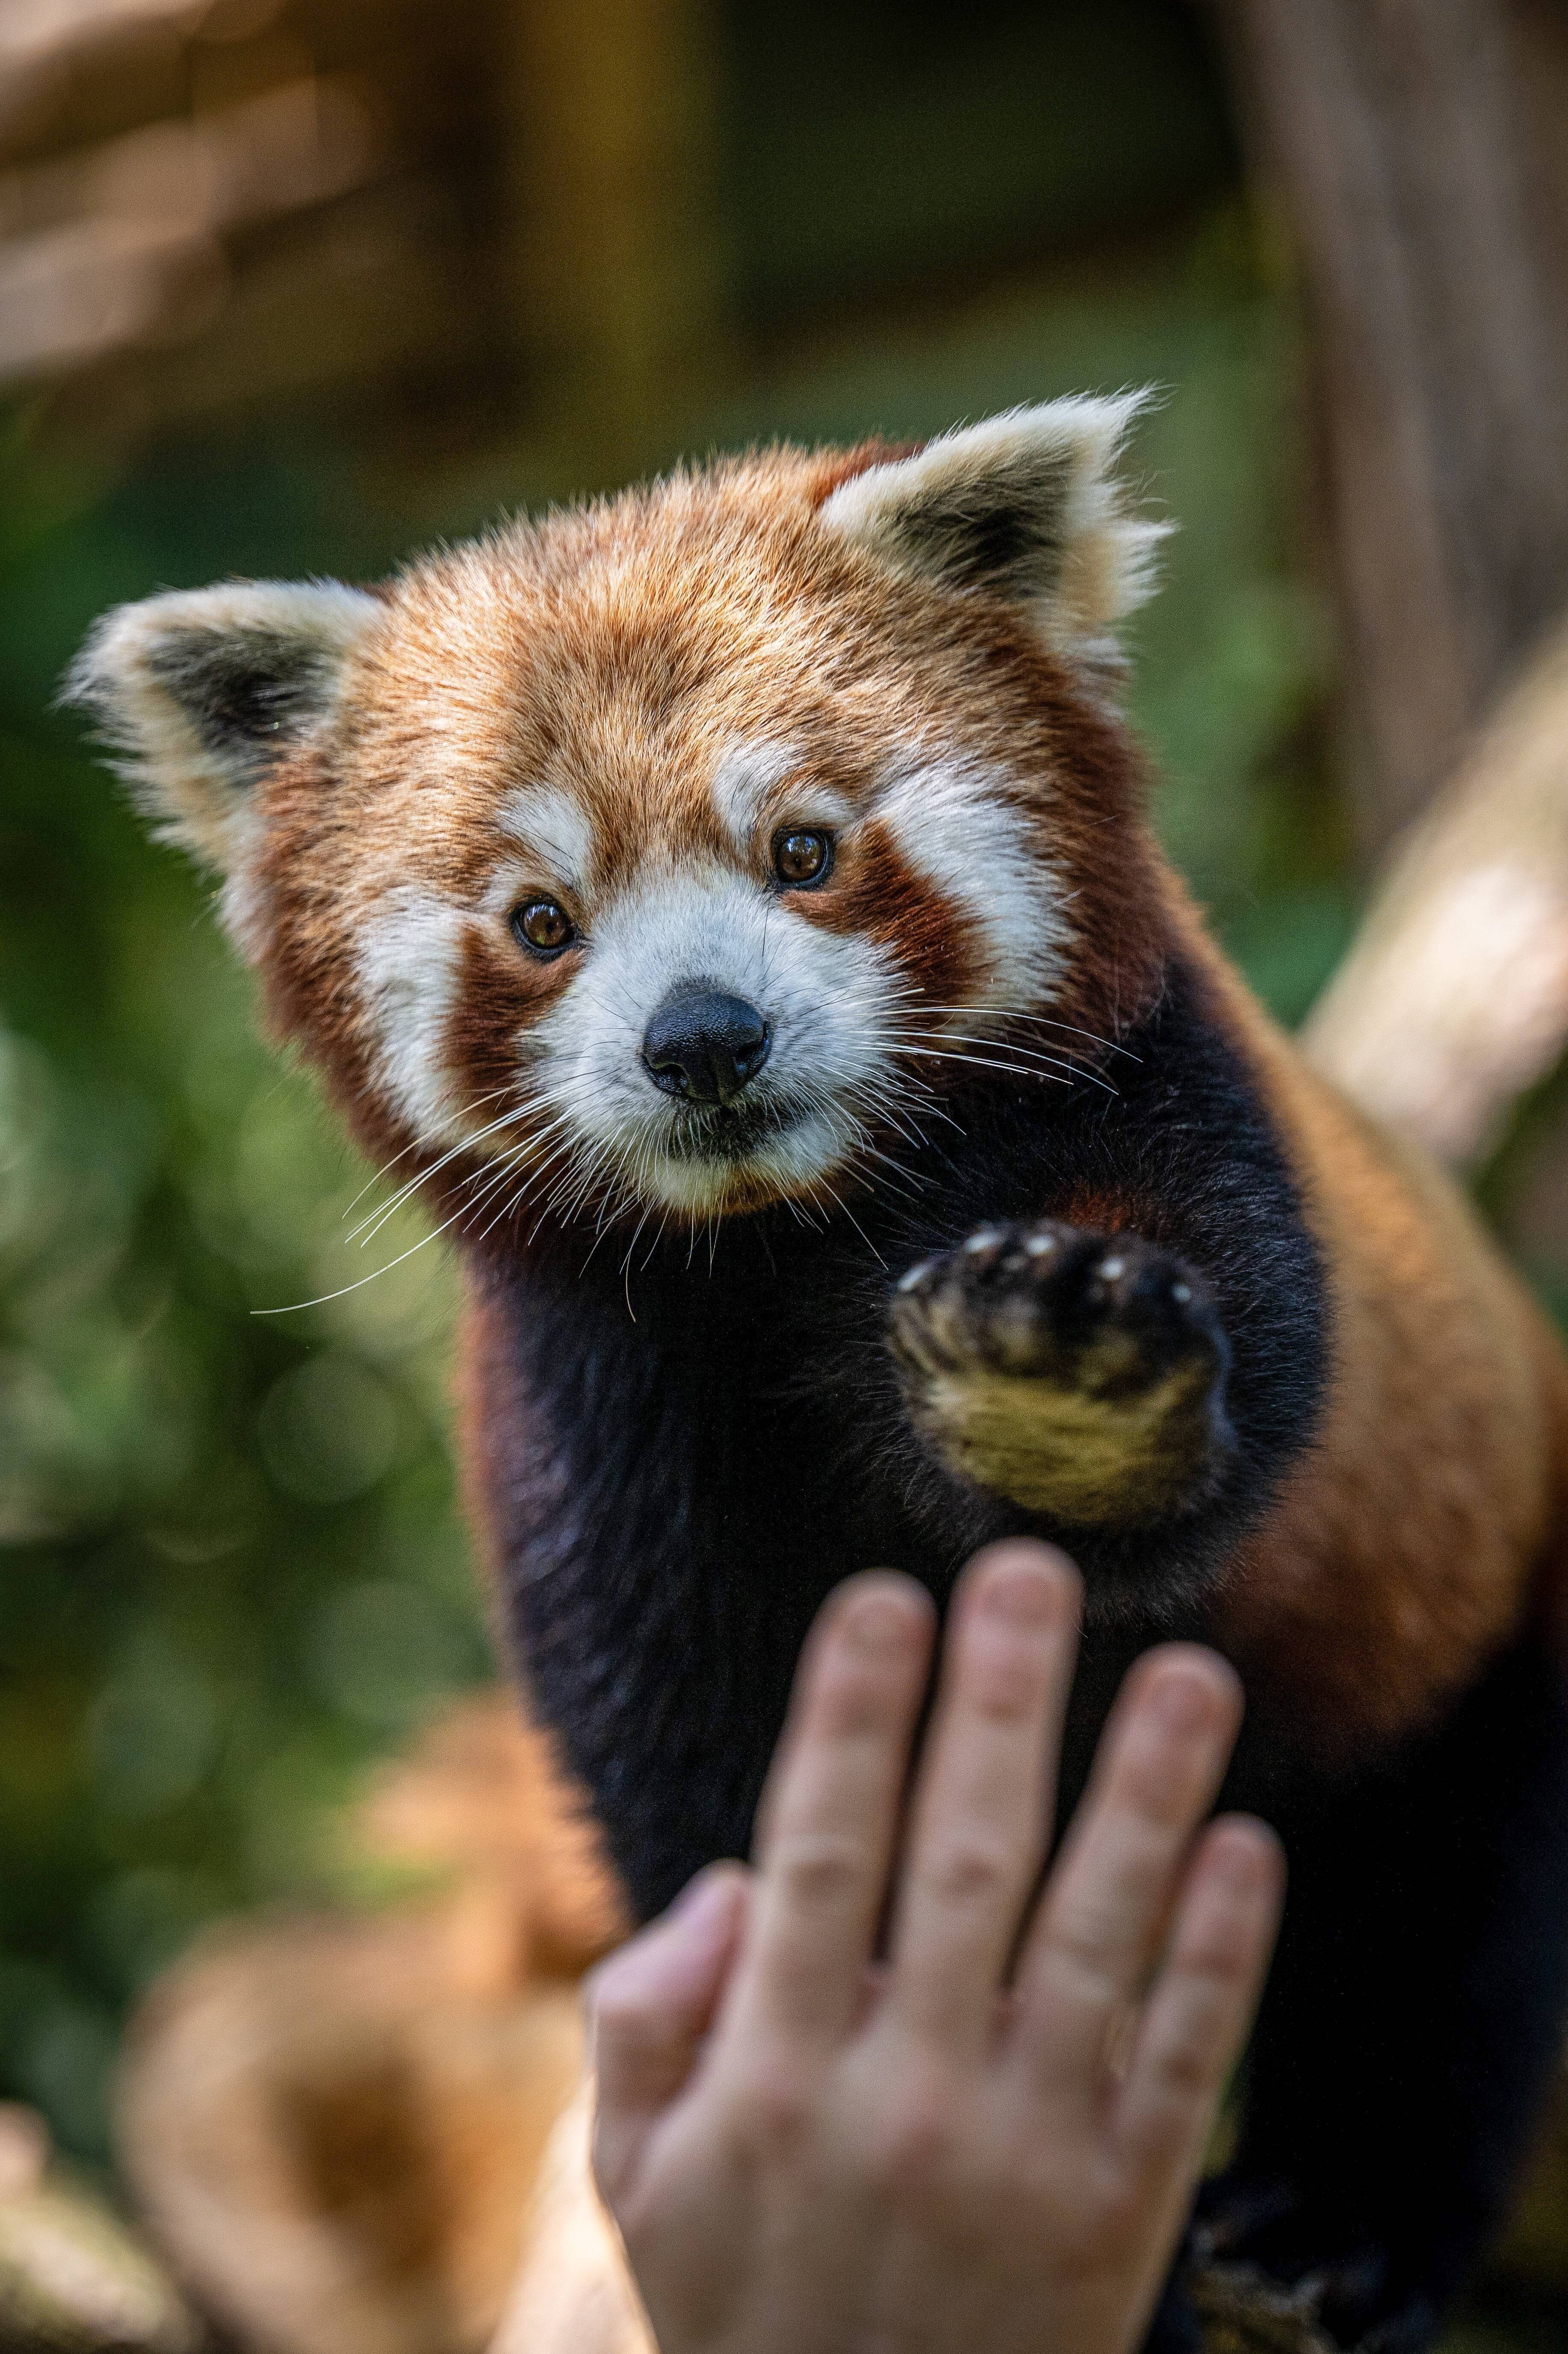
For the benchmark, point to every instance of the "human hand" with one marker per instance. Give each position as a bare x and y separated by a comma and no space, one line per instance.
989,2143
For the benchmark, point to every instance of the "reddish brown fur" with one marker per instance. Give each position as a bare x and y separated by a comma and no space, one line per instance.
615,651
1430,1517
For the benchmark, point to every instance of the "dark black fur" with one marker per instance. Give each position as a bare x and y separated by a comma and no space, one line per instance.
1415,2011
1006,533
685,1488
244,692
694,1482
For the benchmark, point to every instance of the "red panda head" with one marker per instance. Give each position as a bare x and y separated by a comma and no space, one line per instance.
675,851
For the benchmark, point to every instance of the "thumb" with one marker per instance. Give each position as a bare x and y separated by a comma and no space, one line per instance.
650,2005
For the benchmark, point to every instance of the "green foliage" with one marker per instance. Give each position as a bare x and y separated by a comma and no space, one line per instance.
231,1567
937,130
232,1571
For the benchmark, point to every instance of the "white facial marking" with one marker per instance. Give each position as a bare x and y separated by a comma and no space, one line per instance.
1040,1246
747,796
1111,1267
954,826
985,1240
746,774
915,1276
830,1003
553,827
837,1006
408,967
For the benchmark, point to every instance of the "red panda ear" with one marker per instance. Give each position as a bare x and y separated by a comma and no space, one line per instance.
198,691
1024,507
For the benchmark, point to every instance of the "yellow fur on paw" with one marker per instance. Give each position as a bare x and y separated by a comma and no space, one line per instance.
1079,1375
1241,2311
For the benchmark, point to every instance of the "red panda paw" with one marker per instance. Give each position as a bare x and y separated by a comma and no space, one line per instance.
1080,1376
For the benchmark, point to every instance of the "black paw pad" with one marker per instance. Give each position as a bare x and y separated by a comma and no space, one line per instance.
1081,1375
1107,1316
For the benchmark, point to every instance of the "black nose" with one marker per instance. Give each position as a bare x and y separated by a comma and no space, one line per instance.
705,1045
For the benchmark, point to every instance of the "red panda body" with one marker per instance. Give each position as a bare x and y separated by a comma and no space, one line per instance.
734,903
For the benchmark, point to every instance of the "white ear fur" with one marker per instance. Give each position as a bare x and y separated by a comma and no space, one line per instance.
1024,506
198,690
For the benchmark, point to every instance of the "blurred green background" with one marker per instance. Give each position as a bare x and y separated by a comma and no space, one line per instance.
233,1573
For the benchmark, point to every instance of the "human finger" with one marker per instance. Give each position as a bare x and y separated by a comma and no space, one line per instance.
1159,1765
651,2004
832,1808
1202,2005
986,1791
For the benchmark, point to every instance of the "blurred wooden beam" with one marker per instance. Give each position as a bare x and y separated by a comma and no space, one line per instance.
334,2124
119,243
73,2280
369,292
45,44
1397,137
1453,1001
619,280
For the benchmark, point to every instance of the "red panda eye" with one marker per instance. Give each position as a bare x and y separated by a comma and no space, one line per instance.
801,857
542,927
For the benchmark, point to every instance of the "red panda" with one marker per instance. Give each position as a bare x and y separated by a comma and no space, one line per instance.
734,902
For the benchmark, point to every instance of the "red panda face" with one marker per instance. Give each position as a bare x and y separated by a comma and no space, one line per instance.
674,856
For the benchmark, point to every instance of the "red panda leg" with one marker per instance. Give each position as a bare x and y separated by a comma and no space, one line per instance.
1080,1376
1413,2020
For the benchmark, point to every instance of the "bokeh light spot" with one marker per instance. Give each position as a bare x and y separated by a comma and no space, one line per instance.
328,1430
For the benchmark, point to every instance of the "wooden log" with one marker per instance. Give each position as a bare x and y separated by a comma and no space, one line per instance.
618,278
1399,140
332,2125
1453,1000
73,2280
